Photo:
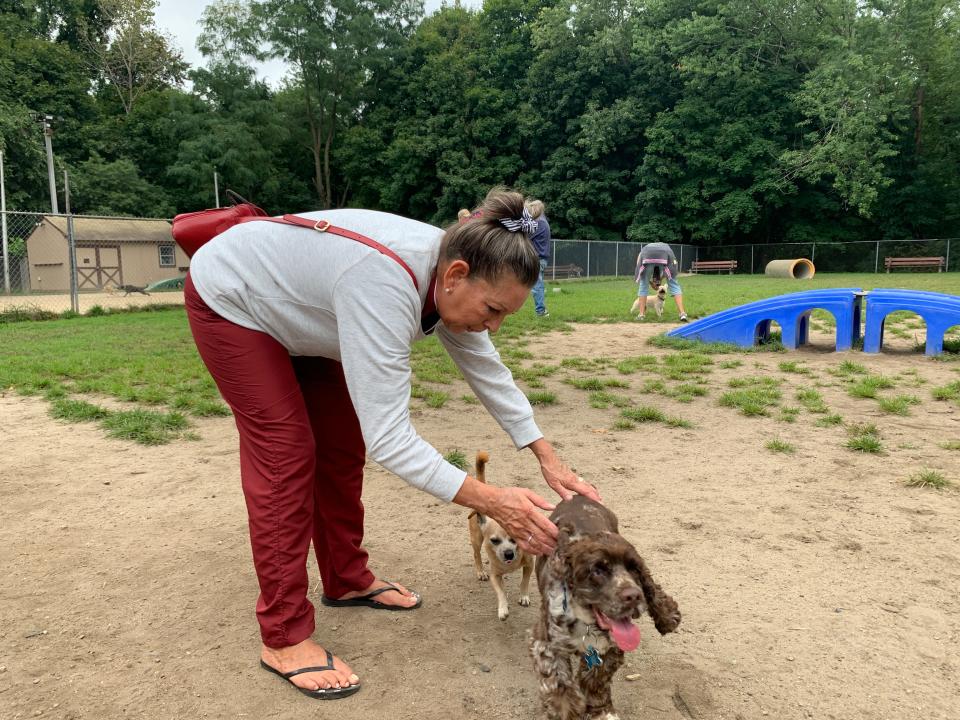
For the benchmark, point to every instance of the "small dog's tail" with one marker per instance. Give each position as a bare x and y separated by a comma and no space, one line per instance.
482,460
481,463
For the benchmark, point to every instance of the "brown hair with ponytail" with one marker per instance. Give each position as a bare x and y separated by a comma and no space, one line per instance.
487,246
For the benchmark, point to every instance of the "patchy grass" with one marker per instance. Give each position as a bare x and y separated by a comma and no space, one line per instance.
678,422
436,398
789,414
603,400
643,414
899,405
928,478
658,387
752,402
470,399
791,366
146,427
868,387
624,424
951,445
542,397
864,438
730,364
947,392
829,420
685,364
593,384
639,362
457,458
848,367
779,446
753,381
811,400
76,410
588,364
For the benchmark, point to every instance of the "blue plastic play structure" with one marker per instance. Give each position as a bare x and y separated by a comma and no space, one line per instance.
745,325
748,324
939,311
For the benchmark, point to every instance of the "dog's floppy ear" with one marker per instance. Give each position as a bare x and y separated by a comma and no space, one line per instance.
663,608
481,519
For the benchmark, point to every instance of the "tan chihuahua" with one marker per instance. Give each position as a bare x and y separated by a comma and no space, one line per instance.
502,552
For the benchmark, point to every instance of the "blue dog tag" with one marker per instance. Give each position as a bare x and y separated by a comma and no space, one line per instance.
592,658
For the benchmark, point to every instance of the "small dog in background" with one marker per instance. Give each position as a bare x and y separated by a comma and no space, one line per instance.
591,588
127,289
659,299
502,552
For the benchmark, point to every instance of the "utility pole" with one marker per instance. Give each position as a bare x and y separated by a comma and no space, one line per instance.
3,221
48,141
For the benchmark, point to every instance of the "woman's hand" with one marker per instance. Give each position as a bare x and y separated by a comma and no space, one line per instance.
558,476
517,510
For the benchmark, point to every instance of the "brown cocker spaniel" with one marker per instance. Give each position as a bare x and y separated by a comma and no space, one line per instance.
591,589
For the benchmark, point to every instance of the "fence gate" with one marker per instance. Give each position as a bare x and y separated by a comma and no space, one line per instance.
97,266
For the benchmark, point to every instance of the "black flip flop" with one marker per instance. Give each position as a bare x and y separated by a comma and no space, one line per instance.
321,694
368,600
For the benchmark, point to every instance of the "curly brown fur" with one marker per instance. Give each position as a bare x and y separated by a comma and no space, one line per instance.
591,589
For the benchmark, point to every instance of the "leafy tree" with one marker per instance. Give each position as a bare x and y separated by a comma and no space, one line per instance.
135,58
99,187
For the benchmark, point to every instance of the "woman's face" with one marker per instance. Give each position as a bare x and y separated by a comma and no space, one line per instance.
473,304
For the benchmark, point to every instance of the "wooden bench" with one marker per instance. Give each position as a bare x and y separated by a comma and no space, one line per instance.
914,262
552,272
717,265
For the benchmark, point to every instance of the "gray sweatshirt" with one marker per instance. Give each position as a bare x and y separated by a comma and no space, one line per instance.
328,296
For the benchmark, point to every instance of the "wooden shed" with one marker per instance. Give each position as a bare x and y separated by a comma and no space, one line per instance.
110,251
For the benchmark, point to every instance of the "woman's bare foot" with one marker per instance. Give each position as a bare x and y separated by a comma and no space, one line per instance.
399,598
309,654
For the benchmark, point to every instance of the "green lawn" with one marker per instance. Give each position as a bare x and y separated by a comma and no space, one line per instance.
148,360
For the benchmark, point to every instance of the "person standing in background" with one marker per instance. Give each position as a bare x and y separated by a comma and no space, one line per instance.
541,243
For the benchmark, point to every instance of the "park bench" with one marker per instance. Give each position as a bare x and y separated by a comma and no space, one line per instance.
716,265
914,262
563,271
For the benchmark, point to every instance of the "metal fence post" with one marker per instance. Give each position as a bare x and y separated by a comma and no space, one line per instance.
680,268
589,243
72,251
751,259
946,265
616,260
876,259
813,251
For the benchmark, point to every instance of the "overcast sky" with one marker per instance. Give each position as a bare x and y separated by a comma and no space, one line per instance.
181,20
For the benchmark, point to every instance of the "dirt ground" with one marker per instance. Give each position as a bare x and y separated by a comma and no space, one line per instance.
815,585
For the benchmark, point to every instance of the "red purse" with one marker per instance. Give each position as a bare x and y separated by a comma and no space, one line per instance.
192,230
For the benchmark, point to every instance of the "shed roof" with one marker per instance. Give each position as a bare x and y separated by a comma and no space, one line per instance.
104,230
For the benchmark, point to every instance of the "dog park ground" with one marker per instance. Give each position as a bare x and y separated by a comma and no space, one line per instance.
814,581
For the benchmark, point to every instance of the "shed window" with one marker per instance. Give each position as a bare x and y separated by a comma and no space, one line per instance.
167,255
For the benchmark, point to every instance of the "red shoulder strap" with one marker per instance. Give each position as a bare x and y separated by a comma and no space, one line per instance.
323,226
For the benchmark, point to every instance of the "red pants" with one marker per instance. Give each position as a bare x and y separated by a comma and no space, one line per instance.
301,466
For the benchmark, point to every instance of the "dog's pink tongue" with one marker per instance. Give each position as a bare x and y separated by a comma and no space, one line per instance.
625,634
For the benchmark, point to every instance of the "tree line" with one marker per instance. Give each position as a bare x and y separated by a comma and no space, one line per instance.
704,121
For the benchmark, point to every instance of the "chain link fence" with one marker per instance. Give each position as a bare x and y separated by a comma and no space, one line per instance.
58,263
592,258
55,263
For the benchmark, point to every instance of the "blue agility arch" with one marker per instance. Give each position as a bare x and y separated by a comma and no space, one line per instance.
745,325
939,311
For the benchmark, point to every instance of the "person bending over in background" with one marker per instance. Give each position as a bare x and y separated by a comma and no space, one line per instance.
657,256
